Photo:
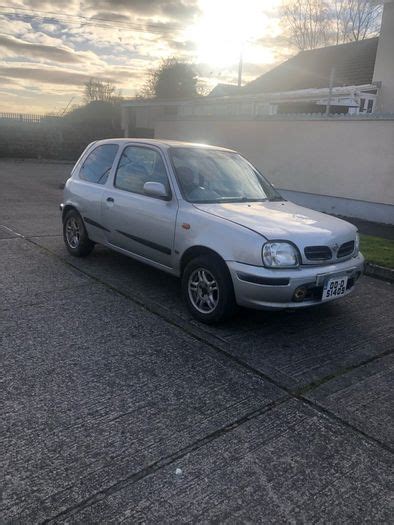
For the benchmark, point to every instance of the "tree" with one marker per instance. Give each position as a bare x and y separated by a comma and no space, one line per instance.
173,79
305,22
97,111
357,19
97,90
315,23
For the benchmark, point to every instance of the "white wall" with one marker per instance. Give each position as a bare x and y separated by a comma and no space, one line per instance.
342,158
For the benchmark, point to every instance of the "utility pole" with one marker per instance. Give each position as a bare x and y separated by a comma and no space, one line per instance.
332,77
66,108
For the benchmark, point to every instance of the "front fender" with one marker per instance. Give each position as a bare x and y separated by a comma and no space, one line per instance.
231,241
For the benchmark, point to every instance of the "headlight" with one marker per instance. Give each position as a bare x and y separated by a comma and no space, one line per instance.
279,255
356,245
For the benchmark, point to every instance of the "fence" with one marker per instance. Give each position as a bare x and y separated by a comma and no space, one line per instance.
26,117
43,136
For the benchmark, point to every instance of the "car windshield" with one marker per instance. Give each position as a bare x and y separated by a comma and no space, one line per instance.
208,175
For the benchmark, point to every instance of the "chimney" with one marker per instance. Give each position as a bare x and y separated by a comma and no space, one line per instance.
384,64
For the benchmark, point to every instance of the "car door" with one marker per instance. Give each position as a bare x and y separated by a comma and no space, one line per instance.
141,224
88,187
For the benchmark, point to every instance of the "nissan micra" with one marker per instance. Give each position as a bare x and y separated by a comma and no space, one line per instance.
207,215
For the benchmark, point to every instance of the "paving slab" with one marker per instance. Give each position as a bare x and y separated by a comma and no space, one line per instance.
34,191
28,274
96,388
302,347
295,348
364,398
124,273
5,233
288,465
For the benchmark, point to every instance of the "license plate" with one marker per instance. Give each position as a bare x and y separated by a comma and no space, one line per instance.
333,288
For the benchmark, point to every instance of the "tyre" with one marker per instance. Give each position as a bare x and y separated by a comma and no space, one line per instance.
208,290
75,235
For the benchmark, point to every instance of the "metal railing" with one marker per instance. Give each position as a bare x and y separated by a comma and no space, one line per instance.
26,117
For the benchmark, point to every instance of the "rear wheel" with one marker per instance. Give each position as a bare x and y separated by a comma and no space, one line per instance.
208,289
75,235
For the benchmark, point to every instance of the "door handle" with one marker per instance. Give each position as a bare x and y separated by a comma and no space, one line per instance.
110,199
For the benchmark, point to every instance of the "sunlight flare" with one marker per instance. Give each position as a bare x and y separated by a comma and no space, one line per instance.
229,27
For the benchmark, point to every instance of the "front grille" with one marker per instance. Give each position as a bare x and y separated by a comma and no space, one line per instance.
346,249
317,253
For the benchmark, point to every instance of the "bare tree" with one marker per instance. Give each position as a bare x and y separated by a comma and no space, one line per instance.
103,91
306,22
315,23
341,21
362,19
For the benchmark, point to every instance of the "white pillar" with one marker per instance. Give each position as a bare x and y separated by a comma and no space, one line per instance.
384,64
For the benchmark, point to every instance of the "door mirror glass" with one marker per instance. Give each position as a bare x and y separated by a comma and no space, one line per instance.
155,189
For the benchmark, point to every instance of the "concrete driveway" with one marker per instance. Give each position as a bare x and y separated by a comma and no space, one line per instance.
118,407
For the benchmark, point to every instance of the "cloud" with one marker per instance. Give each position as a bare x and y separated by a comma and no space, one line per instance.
165,8
46,75
50,48
48,52
5,81
40,74
46,5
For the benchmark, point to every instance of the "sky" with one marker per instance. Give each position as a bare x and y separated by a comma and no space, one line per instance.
50,48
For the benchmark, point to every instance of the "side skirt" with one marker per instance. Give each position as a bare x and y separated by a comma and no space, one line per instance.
142,259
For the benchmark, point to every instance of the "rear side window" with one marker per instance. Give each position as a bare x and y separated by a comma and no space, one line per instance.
98,163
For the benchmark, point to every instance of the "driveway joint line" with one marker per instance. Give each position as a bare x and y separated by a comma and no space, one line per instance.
166,461
313,385
319,408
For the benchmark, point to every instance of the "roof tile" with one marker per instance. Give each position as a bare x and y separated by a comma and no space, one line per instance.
354,65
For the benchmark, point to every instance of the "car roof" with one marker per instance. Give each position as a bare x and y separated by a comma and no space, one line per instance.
160,143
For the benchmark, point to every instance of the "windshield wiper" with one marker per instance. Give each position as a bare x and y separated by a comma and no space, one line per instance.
277,199
241,199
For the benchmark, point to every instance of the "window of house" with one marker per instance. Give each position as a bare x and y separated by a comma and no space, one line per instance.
137,166
370,105
367,104
98,163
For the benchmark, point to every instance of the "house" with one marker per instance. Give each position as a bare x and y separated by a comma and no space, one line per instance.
222,90
305,80
353,78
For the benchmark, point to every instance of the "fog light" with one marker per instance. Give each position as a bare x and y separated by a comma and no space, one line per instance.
300,294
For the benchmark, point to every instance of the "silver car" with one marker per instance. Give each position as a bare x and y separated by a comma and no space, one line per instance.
207,215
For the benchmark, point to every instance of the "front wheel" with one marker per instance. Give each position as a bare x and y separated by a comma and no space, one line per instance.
75,235
208,289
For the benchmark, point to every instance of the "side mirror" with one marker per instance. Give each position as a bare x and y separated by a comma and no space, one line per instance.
156,189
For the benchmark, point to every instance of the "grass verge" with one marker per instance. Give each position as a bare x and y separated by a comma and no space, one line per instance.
377,250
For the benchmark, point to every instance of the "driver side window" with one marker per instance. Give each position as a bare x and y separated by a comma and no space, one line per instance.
137,166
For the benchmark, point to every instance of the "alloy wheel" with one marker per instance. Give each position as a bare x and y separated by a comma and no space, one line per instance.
203,290
73,232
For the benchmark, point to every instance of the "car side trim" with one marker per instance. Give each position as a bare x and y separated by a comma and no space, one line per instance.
96,224
150,244
267,281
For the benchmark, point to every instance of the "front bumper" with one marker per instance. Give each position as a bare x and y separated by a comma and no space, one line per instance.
262,288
